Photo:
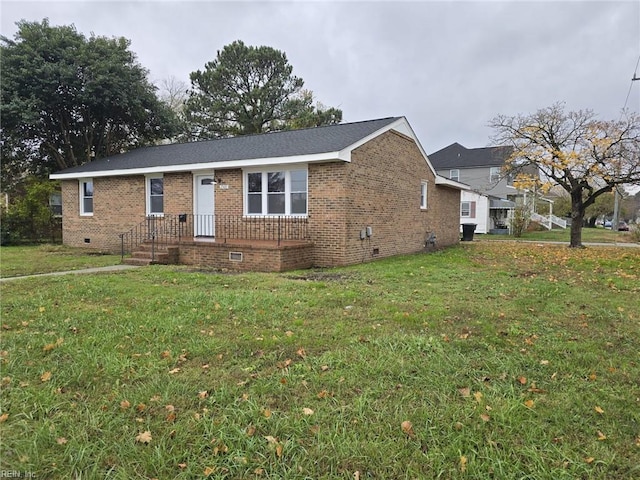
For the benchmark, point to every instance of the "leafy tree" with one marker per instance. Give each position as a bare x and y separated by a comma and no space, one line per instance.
587,157
29,218
248,90
68,99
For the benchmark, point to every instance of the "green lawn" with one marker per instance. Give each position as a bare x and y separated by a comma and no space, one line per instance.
29,260
487,360
594,235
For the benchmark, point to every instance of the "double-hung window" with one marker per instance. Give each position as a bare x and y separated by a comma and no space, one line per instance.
468,209
86,197
155,195
276,192
454,174
494,174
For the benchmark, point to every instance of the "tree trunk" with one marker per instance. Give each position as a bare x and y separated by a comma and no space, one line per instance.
577,217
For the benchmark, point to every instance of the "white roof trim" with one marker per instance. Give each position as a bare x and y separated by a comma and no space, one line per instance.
210,166
447,182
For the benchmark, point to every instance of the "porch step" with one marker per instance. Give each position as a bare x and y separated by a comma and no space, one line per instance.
144,256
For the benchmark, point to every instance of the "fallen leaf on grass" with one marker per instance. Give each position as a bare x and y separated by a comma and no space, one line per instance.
598,409
529,403
4,417
478,396
209,470
407,428
589,459
203,394
251,430
45,377
601,436
463,463
301,352
266,412
50,346
124,404
61,441
522,380
144,437
323,394
307,411
465,392
273,441
174,371
485,417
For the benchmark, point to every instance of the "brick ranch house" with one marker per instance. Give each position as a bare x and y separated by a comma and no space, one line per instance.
317,197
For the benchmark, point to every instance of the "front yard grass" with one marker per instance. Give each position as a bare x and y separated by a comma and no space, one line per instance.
486,360
589,235
31,260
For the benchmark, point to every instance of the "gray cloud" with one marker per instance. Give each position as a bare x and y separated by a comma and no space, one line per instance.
448,66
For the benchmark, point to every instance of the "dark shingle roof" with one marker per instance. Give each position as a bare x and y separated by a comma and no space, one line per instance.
307,141
457,156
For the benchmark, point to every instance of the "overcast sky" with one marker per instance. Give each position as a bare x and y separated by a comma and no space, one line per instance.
447,66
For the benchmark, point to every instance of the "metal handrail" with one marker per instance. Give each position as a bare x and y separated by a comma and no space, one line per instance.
162,230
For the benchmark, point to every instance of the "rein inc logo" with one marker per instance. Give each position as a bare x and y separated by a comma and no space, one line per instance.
16,474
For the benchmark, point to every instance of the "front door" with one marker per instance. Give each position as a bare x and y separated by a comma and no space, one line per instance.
203,220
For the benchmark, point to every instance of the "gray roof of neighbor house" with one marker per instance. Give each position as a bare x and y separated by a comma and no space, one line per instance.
290,143
457,156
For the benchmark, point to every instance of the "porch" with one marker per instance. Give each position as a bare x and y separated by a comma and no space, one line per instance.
226,242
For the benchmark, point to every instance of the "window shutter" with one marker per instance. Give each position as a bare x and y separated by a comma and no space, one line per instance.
473,210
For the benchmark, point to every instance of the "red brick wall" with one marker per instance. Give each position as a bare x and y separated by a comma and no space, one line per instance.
119,204
380,188
254,258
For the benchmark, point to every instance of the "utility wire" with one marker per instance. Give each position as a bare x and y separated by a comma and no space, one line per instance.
635,77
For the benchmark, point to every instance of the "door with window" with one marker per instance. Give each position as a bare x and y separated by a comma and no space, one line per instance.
203,219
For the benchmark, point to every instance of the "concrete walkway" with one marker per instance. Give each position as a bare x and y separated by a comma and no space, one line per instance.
111,268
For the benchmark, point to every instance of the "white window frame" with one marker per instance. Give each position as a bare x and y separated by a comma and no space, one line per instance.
81,183
265,171
147,195
424,189
454,176
468,209
493,176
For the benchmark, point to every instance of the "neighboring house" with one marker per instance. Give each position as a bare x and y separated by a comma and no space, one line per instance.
492,198
489,214
324,196
480,168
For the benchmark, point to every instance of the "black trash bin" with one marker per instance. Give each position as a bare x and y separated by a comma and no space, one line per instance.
467,231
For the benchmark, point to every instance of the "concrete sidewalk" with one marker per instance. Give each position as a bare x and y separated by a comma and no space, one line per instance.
111,268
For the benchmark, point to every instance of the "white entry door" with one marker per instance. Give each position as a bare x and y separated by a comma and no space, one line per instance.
203,220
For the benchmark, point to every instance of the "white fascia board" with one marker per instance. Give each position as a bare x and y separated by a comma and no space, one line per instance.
209,166
447,182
